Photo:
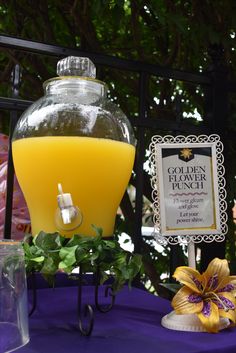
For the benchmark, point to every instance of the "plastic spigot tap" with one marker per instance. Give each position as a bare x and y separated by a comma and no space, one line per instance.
66,206
68,217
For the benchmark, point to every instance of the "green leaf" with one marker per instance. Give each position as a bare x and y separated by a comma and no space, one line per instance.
49,266
67,255
49,252
100,248
27,249
48,242
110,244
38,259
103,277
81,255
98,230
75,240
63,266
94,256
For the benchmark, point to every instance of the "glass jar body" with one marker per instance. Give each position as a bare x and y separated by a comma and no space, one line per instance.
76,137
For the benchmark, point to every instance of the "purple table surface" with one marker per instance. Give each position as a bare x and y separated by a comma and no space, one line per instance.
133,325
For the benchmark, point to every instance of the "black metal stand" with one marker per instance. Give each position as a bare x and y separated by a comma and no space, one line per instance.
34,294
108,291
85,312
85,330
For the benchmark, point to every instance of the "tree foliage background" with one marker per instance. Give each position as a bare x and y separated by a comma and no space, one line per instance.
170,33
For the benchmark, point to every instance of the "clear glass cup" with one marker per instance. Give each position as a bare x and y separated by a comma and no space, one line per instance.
13,297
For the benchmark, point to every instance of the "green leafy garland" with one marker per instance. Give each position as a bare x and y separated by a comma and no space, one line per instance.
49,253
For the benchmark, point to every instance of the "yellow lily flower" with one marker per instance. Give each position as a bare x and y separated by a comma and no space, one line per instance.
210,295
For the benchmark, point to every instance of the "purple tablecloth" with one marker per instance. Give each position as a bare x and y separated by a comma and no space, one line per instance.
133,325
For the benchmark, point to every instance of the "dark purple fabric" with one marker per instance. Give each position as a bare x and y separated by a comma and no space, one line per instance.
132,326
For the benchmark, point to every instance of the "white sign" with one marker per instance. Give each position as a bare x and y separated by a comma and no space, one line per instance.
187,188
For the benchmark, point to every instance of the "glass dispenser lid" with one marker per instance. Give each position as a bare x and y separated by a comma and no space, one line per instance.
76,66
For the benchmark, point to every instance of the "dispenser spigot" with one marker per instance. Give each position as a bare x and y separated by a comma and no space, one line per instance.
65,205
69,216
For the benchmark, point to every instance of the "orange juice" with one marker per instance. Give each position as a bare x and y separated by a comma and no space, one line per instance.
95,171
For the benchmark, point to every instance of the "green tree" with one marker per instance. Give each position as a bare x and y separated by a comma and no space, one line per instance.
176,34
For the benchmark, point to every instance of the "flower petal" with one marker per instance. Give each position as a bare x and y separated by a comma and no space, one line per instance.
228,300
229,281
187,302
216,268
231,315
209,316
228,303
232,279
229,287
189,277
212,282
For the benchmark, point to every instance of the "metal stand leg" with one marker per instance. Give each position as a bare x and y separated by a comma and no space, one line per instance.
34,294
85,312
85,330
108,291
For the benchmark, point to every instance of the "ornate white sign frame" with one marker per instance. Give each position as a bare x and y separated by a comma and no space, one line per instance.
164,233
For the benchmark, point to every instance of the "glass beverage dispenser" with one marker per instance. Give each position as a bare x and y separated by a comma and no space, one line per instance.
73,152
